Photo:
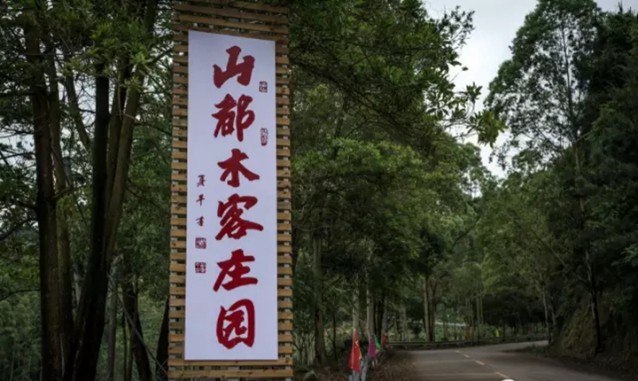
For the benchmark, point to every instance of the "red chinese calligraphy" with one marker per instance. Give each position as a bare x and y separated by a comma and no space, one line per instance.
230,213
200,199
235,269
200,221
244,70
233,167
229,120
236,324
201,180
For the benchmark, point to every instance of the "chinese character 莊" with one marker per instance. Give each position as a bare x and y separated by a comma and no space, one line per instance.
235,269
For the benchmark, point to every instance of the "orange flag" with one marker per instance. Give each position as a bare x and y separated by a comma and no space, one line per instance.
355,353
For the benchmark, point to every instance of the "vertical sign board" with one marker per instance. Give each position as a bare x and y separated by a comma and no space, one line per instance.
231,249
230,306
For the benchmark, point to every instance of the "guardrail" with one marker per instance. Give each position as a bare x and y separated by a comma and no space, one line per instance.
424,345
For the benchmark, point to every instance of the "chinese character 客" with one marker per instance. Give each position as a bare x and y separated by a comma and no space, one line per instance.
230,213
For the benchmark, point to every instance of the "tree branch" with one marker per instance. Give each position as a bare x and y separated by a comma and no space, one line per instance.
15,292
15,228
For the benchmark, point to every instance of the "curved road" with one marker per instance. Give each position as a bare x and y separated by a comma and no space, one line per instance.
492,363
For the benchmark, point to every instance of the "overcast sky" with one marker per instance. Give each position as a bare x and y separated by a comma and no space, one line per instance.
495,25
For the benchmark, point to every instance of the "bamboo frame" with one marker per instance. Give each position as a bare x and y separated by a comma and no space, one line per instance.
247,19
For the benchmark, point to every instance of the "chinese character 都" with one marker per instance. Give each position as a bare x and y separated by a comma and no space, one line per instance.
228,120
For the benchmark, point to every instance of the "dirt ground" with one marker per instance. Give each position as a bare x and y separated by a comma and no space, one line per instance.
394,366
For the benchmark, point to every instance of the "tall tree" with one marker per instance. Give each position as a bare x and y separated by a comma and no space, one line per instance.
120,49
539,93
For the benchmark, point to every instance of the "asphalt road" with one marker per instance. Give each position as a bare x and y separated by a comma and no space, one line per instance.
492,363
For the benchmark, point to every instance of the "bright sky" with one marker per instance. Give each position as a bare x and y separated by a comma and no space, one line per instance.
495,23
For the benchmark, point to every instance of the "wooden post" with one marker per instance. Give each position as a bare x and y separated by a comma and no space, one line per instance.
251,19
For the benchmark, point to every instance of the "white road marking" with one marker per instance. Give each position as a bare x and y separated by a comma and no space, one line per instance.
480,363
506,378
457,374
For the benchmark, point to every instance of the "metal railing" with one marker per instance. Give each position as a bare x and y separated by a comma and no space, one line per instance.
424,345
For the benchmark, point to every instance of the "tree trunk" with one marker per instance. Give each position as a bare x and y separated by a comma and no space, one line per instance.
127,367
320,346
369,310
446,336
62,184
355,308
384,317
429,309
404,323
546,310
138,346
91,311
112,336
426,309
596,315
107,210
432,311
334,334
478,317
161,368
11,367
52,315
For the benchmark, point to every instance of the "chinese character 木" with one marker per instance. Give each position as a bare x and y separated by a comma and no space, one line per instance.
233,167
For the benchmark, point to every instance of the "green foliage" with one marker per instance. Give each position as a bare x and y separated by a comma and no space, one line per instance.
538,92
568,96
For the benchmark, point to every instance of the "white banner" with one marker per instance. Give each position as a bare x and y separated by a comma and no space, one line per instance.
231,257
